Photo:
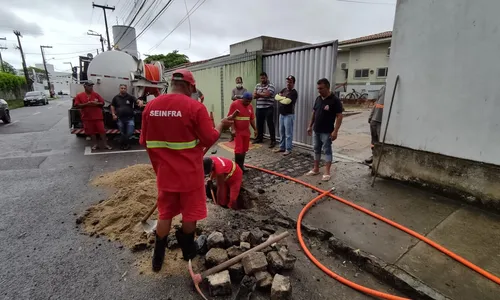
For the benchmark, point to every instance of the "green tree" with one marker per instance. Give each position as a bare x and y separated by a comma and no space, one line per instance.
8,68
171,60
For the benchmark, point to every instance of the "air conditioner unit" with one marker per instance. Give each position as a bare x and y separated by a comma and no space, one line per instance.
388,51
343,66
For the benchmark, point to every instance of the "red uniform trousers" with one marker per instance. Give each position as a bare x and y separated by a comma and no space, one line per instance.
192,205
241,143
231,190
93,127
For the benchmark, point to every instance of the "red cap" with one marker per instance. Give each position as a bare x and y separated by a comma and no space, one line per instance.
184,75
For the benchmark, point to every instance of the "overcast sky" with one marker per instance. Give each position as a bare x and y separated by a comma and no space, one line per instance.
214,25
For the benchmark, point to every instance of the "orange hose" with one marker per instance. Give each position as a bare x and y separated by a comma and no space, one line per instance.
379,217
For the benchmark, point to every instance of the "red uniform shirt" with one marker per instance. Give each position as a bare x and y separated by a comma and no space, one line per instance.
242,121
175,129
222,165
89,113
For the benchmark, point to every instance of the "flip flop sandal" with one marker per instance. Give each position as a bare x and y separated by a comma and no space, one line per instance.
95,147
109,147
326,177
311,173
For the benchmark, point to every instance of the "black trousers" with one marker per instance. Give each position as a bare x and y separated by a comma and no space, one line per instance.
263,115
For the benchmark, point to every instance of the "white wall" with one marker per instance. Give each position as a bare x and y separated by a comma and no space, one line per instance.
447,54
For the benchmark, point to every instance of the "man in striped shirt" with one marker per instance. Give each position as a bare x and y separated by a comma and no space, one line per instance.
264,93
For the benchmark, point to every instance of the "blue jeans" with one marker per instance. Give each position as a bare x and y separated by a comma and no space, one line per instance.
286,132
322,140
127,129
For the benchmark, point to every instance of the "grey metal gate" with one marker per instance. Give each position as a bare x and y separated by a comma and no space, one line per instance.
308,64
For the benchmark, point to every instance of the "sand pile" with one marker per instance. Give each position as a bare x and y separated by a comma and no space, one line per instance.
117,217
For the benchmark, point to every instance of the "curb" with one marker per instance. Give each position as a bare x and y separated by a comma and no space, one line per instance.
391,274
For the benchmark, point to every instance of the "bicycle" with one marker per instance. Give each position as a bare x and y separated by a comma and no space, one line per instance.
356,95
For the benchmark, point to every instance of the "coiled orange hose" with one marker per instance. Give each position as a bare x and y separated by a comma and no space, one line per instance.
379,217
151,73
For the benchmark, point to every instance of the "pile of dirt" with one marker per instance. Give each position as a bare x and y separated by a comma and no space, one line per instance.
118,216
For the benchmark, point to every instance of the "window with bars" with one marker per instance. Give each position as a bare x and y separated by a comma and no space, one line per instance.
361,73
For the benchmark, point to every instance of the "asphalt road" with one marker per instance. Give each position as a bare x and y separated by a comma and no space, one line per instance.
44,175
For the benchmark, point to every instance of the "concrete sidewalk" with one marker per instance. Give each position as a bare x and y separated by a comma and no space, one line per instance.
469,232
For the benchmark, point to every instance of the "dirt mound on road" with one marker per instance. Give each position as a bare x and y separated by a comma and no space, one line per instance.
118,216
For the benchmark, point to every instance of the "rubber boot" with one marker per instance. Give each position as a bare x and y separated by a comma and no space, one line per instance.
187,244
239,159
159,252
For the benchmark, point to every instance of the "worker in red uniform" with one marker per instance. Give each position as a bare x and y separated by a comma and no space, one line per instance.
242,123
228,177
176,130
90,104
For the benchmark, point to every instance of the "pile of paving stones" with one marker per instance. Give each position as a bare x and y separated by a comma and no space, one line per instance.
258,270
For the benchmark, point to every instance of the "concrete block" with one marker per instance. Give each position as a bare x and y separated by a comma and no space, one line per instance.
236,272
247,287
264,280
219,284
216,256
275,262
245,237
231,239
234,251
256,236
216,240
254,262
281,288
245,246
201,244
288,259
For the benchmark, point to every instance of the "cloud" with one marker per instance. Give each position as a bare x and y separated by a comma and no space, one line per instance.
214,26
10,21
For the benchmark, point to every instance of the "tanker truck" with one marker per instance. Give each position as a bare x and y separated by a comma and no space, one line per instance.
108,70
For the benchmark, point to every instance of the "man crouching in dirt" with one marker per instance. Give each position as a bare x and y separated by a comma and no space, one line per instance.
228,177
176,130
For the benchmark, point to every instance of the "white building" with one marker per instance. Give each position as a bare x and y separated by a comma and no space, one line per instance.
363,63
60,80
444,129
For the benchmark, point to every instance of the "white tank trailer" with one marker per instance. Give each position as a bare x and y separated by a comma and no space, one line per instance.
108,70
124,39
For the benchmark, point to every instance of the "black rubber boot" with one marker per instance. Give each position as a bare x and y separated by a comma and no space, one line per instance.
239,159
187,244
159,253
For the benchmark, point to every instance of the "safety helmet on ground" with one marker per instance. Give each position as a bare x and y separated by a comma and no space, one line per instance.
208,164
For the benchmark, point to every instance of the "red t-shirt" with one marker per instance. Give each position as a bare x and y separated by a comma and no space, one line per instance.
176,118
242,121
222,165
90,112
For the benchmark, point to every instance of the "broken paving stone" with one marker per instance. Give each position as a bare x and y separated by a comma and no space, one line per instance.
281,288
275,262
288,259
244,246
245,237
270,228
216,240
267,250
282,222
254,262
231,238
234,251
219,284
264,280
216,256
256,236
247,287
236,272
201,244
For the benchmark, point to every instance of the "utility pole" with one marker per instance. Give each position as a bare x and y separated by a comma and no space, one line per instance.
1,60
91,32
45,66
25,69
104,7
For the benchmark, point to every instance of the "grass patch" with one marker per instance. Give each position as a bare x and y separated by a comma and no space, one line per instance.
13,104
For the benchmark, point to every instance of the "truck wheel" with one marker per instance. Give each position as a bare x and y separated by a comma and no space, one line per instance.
6,119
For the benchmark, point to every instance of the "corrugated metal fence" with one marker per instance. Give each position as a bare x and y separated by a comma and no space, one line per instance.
308,64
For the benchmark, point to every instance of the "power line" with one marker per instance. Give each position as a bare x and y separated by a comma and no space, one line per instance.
158,15
130,24
155,3
189,21
192,11
87,51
